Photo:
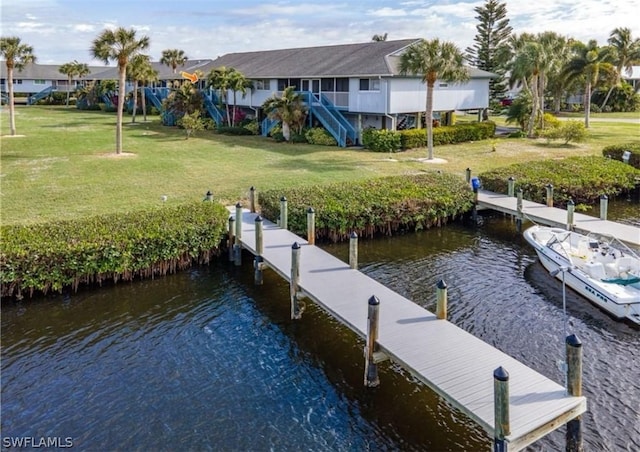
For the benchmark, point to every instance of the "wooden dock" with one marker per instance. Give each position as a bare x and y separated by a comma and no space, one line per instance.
553,216
453,363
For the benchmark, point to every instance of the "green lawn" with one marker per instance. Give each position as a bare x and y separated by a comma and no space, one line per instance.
65,166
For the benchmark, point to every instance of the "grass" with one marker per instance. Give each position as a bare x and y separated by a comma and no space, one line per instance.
65,166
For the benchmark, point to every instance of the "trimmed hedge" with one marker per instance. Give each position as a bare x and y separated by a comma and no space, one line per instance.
582,179
381,140
615,152
62,255
459,133
383,205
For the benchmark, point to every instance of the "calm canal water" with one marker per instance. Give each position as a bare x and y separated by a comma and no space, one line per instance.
204,360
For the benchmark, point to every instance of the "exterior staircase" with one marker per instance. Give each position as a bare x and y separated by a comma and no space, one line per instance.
41,95
330,117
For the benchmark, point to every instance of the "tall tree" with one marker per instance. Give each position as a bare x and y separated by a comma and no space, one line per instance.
589,63
433,60
626,53
139,67
119,45
173,58
490,51
287,108
379,38
221,79
238,83
71,70
16,55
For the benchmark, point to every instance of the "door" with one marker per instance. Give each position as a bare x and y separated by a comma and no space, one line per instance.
312,85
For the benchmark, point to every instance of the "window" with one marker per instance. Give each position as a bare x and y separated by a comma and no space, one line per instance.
263,84
342,85
328,84
369,84
38,82
18,82
282,83
443,85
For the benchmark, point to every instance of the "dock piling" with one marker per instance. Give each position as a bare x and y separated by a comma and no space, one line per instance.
549,188
208,196
574,388
311,226
511,183
570,208
468,175
258,262
604,204
294,286
237,248
441,303
252,199
353,250
231,240
371,378
519,215
283,213
502,427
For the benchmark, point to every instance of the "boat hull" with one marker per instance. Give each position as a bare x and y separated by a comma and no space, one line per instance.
620,302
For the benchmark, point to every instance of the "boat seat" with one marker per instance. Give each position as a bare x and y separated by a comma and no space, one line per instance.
595,270
625,264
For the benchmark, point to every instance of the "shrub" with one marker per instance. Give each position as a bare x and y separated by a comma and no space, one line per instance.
191,123
383,205
64,254
319,135
583,179
209,124
381,140
252,126
615,151
460,133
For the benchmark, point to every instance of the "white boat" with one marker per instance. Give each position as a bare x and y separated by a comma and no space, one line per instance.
598,267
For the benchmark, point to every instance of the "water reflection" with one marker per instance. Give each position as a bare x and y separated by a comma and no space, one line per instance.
206,360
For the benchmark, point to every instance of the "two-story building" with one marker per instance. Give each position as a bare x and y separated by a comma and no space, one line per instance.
361,81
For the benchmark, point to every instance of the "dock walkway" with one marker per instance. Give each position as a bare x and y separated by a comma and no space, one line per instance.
553,216
453,363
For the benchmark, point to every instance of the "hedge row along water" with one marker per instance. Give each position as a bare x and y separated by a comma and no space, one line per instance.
582,179
616,152
384,205
62,255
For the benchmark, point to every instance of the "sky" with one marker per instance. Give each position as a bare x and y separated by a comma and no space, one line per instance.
61,31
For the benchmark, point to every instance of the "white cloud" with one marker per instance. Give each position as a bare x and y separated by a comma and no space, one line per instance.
83,28
388,12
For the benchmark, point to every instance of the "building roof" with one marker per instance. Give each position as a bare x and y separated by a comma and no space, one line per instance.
164,71
34,71
368,59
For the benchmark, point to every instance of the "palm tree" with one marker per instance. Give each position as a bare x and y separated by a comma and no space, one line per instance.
71,70
589,63
287,108
120,45
173,58
147,74
16,55
221,79
239,84
627,54
139,67
433,60
379,38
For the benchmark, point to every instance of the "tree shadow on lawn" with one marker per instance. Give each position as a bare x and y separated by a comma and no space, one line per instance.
312,166
246,141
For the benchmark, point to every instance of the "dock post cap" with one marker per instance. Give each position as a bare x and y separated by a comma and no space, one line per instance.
603,197
295,246
258,218
231,218
574,341
238,205
310,210
252,188
284,198
353,235
441,284
570,202
501,374
373,301
549,185
511,178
